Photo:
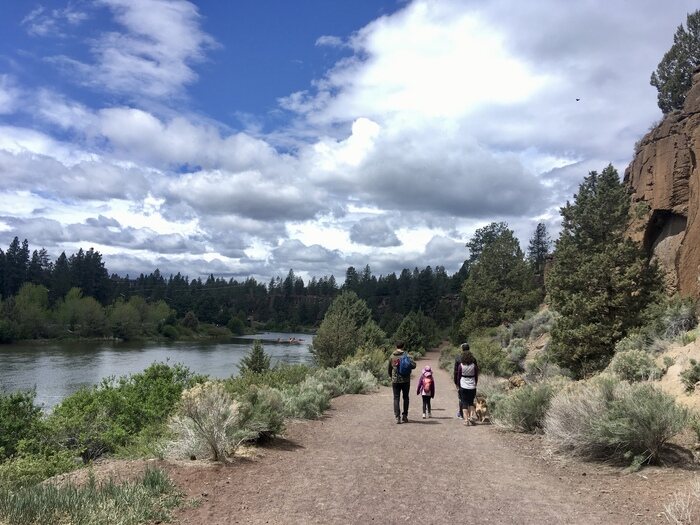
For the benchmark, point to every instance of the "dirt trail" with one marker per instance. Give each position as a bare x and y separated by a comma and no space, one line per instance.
358,466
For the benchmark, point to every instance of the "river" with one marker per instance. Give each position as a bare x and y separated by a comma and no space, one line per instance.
57,369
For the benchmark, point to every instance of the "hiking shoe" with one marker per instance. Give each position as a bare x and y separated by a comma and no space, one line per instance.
430,414
459,415
404,419
472,420
398,420
424,415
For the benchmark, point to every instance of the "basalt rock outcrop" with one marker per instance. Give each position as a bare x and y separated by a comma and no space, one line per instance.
665,183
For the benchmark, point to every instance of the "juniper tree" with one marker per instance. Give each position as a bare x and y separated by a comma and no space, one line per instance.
600,280
341,330
674,74
256,361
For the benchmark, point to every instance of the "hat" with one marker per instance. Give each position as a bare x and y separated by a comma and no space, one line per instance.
427,368
464,347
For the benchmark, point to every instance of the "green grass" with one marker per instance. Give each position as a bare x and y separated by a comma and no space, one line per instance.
148,499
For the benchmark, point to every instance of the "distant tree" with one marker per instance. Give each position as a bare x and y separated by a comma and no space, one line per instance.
16,265
674,74
352,280
336,338
539,248
256,361
500,286
340,332
600,280
482,238
31,311
124,320
60,279
417,331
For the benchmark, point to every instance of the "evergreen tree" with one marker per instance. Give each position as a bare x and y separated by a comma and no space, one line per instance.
500,286
340,332
257,361
674,74
539,248
600,280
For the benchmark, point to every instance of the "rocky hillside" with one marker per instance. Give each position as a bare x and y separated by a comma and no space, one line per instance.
665,182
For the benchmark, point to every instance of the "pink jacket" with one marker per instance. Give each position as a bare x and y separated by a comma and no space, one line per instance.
419,390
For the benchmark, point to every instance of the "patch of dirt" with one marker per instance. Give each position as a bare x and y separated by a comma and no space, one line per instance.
356,465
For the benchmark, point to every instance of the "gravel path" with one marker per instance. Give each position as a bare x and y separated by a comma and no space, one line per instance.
358,466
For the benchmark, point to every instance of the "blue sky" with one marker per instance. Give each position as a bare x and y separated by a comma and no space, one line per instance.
247,138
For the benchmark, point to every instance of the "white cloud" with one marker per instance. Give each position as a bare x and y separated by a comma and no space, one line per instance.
51,22
152,56
9,95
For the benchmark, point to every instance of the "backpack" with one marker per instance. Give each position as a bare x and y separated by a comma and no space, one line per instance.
427,386
404,367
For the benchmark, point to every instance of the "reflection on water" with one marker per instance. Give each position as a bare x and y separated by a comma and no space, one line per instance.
58,369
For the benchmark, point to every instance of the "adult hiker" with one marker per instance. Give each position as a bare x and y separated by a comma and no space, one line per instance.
464,347
468,378
400,366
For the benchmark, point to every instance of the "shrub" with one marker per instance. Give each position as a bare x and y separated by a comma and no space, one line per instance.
18,418
634,341
679,317
346,380
684,506
256,361
370,359
691,375
261,412
524,408
307,400
148,499
207,424
516,351
542,368
491,357
448,355
610,419
634,365
26,470
281,376
99,419
169,331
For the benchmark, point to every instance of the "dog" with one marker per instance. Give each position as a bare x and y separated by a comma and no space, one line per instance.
482,410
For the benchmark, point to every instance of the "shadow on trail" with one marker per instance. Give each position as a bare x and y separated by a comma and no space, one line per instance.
287,445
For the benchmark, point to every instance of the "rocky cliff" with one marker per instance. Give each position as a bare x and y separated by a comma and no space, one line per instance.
665,183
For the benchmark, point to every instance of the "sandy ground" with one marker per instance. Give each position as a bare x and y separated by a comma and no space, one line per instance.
356,465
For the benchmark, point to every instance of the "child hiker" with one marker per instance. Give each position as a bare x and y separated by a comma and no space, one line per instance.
426,388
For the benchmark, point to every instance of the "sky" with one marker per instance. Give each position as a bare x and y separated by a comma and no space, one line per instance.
249,138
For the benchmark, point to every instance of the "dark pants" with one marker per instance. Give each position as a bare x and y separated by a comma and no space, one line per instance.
459,398
398,389
426,404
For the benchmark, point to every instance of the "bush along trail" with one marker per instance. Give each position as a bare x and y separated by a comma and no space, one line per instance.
356,465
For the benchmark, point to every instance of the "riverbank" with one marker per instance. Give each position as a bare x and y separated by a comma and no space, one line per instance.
58,369
355,464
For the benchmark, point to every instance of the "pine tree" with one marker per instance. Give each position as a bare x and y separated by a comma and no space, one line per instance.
539,248
257,361
600,280
500,286
674,74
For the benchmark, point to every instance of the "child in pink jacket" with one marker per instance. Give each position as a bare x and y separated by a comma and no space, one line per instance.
426,388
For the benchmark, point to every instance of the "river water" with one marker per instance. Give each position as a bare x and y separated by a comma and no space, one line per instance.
57,369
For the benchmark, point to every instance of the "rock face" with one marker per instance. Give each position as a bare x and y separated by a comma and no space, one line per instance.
665,183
